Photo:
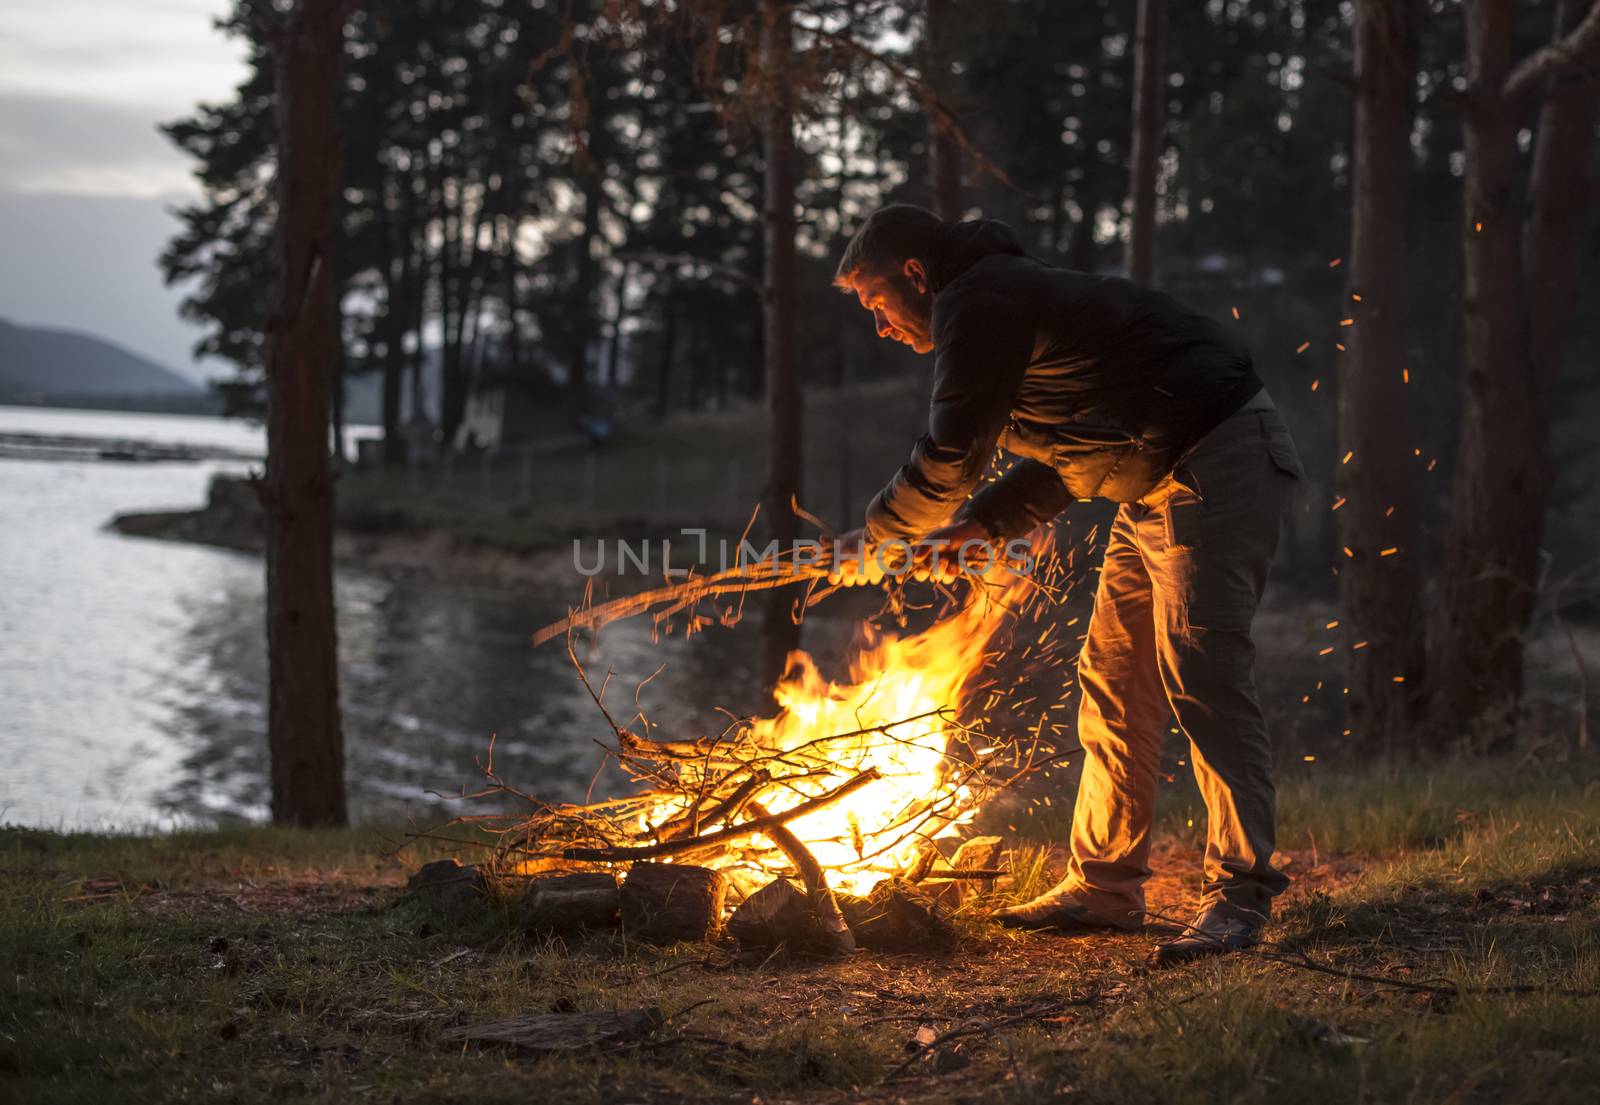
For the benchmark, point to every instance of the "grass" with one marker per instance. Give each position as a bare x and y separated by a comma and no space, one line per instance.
259,965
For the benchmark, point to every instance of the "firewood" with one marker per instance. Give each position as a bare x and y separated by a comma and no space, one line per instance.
840,941
667,902
759,824
728,808
570,903
781,914
897,916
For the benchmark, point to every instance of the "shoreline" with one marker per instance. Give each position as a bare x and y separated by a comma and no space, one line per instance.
231,519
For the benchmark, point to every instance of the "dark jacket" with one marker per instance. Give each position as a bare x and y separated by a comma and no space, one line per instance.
1100,383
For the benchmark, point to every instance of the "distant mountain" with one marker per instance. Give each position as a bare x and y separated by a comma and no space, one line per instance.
38,364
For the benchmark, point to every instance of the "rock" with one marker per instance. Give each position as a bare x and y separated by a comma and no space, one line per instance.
547,1033
897,916
780,914
453,891
667,902
571,903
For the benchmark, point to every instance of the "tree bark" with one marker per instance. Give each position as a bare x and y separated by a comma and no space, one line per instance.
664,361
1503,469
1561,198
944,151
394,269
590,171
1148,95
614,349
307,745
1381,593
785,405
668,902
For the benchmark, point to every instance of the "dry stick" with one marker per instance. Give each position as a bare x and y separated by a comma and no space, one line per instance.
733,580
724,810
732,832
840,939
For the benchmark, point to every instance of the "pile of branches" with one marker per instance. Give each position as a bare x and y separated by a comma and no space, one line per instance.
727,802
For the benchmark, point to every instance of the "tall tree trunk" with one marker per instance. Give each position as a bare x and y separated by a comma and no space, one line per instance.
944,151
1382,593
461,341
513,324
664,363
1503,469
614,348
393,340
1561,197
336,380
303,729
591,178
1149,93
1511,350
785,408
1501,477
419,322
1080,251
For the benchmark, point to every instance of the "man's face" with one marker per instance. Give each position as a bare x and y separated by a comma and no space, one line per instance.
901,305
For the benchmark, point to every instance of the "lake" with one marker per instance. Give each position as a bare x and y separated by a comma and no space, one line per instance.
133,671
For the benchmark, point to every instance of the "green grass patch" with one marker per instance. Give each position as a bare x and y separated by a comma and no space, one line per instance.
259,965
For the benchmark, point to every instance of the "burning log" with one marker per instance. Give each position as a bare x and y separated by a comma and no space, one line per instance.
725,810
896,917
836,933
780,914
571,903
668,902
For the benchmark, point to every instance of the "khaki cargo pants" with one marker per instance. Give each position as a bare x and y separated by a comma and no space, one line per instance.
1170,636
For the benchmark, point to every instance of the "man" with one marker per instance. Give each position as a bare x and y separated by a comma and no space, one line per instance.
1105,389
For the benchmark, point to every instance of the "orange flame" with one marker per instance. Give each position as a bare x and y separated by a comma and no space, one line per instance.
900,703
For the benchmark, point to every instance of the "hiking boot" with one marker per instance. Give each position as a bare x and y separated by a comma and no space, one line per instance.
1214,932
1061,909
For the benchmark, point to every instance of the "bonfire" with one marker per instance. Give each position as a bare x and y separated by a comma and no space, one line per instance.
854,790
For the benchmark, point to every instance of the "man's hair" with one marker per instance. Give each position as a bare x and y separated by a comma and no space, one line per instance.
887,239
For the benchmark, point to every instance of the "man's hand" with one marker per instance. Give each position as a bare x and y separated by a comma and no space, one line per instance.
962,546
855,562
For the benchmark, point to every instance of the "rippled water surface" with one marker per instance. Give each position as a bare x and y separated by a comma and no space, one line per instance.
132,671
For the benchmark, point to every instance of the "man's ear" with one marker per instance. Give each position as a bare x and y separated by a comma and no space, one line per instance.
917,273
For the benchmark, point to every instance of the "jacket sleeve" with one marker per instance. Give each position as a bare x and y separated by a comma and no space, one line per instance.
984,343
1027,496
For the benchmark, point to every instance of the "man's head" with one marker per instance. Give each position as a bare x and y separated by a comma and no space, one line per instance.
887,265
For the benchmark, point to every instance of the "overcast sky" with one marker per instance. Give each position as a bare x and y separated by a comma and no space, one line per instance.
85,178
